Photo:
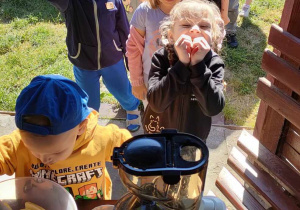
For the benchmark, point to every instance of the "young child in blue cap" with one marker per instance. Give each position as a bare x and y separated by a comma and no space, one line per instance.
58,138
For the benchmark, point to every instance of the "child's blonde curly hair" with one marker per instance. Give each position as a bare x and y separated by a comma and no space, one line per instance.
191,10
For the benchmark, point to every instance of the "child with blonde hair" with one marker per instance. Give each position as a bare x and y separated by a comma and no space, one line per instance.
185,80
144,40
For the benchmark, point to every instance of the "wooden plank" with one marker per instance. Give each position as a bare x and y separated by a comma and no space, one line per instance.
286,14
282,70
292,155
235,192
290,17
293,138
276,37
272,163
268,126
279,101
269,123
260,181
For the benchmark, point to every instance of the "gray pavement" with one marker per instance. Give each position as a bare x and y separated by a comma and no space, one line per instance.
220,142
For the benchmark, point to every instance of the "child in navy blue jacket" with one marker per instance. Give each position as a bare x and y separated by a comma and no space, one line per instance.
97,31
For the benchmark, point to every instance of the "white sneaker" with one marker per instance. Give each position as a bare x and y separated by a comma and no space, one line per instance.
245,11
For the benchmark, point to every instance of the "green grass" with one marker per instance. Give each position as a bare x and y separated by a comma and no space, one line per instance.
32,42
243,64
39,10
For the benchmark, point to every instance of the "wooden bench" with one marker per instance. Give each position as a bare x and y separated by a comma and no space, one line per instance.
264,171
271,182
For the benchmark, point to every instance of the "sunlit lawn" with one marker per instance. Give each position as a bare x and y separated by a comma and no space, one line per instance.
32,42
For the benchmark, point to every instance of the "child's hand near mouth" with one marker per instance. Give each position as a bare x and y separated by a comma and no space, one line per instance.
200,48
183,48
191,51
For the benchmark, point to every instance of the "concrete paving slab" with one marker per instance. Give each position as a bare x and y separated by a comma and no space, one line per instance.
217,156
219,143
7,124
218,119
232,137
111,111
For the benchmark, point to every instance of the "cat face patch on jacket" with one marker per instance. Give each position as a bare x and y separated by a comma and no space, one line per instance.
153,126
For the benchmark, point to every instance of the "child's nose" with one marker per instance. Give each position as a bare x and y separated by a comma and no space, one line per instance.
195,29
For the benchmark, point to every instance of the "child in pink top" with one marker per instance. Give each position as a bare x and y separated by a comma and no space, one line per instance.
143,41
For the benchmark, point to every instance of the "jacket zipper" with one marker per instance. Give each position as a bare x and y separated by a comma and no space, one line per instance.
97,32
181,113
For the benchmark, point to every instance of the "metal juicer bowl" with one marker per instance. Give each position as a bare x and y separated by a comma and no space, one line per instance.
45,193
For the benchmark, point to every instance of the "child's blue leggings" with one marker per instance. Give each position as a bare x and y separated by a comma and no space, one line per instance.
116,81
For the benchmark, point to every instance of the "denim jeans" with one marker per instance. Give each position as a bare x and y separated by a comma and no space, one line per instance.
116,81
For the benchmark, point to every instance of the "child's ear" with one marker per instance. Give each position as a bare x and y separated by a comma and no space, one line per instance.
82,127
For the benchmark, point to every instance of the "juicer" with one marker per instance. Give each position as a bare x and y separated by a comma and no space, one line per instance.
164,171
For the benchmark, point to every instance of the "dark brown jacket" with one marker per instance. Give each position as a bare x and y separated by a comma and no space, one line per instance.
183,97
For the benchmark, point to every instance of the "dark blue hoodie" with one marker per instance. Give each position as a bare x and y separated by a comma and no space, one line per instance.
97,31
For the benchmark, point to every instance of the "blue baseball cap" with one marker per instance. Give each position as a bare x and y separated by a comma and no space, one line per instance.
59,99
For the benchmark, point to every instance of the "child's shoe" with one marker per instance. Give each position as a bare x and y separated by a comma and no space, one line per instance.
133,120
231,40
245,11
